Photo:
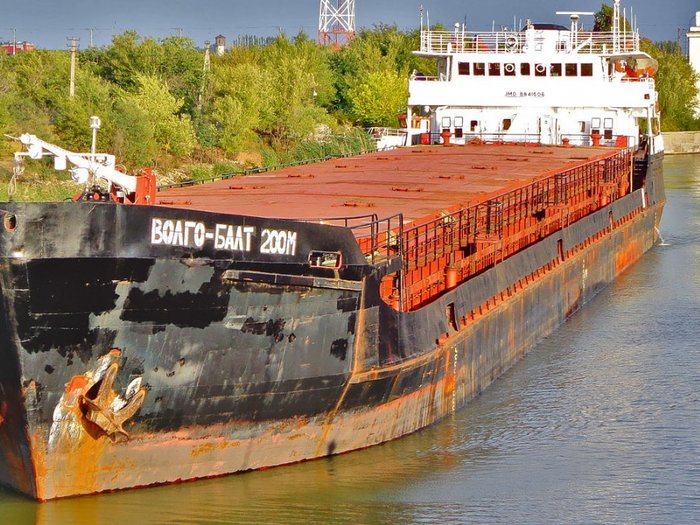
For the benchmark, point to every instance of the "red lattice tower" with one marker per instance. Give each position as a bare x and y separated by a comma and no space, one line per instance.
336,22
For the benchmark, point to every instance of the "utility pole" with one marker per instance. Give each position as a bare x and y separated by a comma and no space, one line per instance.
92,29
206,68
14,41
73,46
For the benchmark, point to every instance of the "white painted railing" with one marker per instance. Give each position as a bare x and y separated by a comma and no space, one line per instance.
520,41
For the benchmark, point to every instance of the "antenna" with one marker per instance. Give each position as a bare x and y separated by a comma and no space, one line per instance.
575,16
336,22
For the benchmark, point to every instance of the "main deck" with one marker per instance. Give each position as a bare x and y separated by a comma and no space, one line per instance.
417,182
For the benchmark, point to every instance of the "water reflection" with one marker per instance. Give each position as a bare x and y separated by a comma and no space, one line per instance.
598,425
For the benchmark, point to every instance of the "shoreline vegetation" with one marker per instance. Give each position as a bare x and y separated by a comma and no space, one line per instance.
262,103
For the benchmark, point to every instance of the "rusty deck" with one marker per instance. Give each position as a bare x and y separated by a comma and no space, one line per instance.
417,182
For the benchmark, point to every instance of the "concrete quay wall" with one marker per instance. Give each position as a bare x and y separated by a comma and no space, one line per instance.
677,142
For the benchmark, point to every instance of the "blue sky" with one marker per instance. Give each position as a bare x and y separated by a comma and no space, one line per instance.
47,23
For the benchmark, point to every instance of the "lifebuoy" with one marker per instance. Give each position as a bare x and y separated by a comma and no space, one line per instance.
510,68
539,68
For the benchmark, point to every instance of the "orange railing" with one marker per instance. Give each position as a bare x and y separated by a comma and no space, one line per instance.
474,238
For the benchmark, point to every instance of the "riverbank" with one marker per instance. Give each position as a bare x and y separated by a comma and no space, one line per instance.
678,142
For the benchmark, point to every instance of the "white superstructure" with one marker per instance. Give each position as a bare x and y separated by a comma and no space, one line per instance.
547,84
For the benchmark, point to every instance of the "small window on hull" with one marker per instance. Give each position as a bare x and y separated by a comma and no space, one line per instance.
570,70
494,70
464,68
525,69
555,70
479,69
473,125
319,259
586,70
506,124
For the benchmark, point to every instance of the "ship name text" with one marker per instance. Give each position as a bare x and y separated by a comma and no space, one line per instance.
237,238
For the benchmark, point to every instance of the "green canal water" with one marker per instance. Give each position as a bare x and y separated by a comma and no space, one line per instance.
600,424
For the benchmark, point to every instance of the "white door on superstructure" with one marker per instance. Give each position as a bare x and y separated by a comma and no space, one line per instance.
547,132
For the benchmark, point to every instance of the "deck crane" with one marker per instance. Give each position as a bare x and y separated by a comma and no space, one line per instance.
91,170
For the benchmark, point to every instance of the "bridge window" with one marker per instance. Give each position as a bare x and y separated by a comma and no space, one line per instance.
570,70
525,69
494,70
540,70
446,122
479,69
555,70
464,68
509,70
586,70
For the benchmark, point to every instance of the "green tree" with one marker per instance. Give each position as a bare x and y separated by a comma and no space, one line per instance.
379,53
132,140
302,85
172,132
71,115
174,59
378,98
676,85
241,105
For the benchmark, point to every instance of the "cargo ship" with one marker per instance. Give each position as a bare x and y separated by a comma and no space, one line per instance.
201,330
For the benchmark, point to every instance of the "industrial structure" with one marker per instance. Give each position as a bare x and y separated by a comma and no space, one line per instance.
336,22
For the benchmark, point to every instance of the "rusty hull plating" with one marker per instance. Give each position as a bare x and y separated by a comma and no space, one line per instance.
151,344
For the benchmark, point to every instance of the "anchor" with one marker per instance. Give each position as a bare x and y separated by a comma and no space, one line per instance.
107,409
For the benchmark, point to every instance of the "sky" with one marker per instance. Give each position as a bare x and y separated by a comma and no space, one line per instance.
48,23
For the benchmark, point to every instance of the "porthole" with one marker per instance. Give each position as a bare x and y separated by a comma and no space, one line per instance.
9,221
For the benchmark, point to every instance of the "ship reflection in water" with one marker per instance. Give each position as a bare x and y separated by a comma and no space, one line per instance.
598,424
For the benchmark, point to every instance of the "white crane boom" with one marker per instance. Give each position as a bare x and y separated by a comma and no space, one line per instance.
102,166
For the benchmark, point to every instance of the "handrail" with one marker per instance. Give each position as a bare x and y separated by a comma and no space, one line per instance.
481,234
564,41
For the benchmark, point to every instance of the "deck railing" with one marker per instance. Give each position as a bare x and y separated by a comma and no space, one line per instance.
476,237
597,42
